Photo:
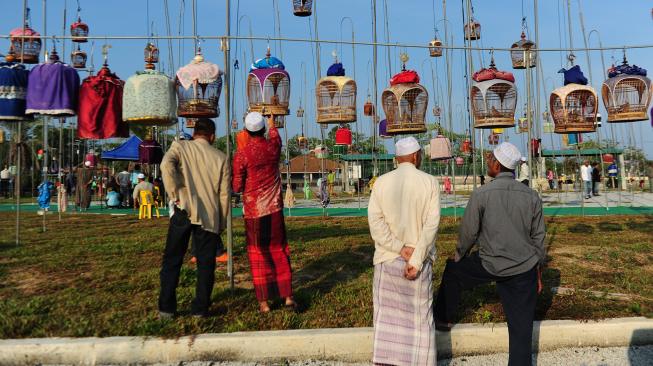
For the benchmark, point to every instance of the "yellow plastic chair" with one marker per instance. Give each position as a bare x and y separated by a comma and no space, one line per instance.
158,202
146,201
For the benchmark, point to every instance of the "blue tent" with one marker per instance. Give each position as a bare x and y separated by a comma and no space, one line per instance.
127,151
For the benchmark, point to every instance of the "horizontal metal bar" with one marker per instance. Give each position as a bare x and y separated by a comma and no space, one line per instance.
344,42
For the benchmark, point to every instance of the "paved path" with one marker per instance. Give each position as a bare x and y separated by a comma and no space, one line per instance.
591,356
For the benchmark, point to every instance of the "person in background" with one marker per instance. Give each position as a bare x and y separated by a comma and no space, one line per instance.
613,172
256,174
550,177
5,178
482,179
331,180
143,185
524,171
596,178
124,181
71,181
505,220
586,177
447,185
404,215
196,177
134,175
113,198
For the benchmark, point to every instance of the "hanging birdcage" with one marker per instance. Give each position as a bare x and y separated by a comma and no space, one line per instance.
78,58
279,121
25,45
548,127
343,136
573,108
608,158
522,125
437,111
405,103
268,87
302,142
440,148
151,56
300,112
626,93
521,53
321,152
460,161
199,85
368,107
494,98
190,122
302,8
149,96
53,89
336,97
13,91
493,139
466,147
234,124
79,31
435,48
472,30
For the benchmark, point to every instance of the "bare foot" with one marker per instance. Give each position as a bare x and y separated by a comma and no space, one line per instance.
264,307
290,302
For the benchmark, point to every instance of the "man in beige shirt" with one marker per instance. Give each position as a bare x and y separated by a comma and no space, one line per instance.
196,177
404,214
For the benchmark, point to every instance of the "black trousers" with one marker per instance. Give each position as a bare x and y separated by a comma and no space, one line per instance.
207,245
518,296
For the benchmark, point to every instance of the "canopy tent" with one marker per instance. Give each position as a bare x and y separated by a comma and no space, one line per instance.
127,151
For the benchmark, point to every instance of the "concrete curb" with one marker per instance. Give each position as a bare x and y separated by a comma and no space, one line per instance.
353,344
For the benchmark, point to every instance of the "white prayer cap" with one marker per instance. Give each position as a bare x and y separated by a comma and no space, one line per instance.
523,158
254,122
508,155
141,176
406,146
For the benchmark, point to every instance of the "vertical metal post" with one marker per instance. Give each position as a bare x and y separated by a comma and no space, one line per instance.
449,52
227,109
375,163
44,168
528,117
468,54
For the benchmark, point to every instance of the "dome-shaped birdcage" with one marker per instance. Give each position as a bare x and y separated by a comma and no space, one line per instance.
368,107
13,91
472,30
494,98
268,87
302,143
78,58
343,136
522,55
79,31
25,45
405,103
149,97
626,94
336,97
573,108
435,48
53,88
199,85
302,8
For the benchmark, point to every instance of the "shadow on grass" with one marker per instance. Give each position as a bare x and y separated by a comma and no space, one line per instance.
644,226
317,232
581,229
607,226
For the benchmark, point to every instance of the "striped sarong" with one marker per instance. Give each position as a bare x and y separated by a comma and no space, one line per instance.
404,331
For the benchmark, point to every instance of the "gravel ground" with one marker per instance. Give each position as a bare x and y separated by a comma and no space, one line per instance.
589,356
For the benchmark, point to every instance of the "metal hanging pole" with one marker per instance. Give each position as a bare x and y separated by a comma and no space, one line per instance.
227,110
448,53
375,162
469,60
529,120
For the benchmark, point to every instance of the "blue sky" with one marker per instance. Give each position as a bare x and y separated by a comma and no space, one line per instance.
409,21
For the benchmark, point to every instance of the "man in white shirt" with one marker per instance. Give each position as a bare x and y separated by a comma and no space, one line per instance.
586,176
524,171
142,185
5,178
404,214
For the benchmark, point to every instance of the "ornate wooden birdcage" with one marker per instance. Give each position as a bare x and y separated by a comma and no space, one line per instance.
573,108
405,103
149,97
302,143
435,47
472,30
300,112
522,125
336,97
368,107
626,93
78,58
25,45
199,85
268,87
343,136
466,147
493,138
302,8
521,53
494,98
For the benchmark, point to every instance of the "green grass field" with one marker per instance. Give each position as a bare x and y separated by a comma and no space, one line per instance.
97,275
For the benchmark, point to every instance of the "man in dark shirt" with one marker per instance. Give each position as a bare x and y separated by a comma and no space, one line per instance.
504,219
